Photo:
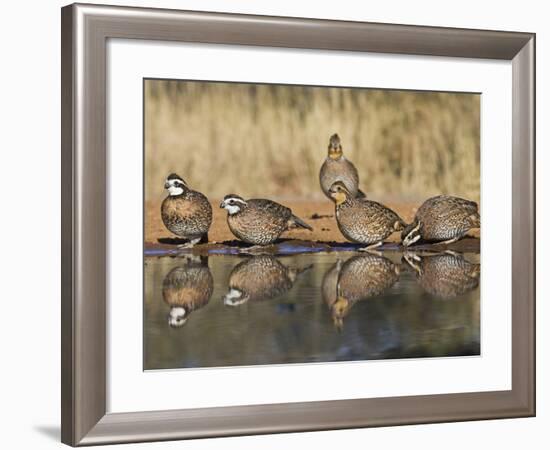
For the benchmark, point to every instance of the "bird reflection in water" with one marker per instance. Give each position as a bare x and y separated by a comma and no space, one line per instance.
330,283
260,278
359,278
445,275
187,288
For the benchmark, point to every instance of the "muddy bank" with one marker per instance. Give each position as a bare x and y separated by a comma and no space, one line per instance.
319,214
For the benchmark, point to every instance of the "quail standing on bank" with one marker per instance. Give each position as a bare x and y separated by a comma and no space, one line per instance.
259,221
444,219
361,220
337,168
186,213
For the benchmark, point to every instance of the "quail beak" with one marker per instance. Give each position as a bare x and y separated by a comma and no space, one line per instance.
166,185
222,204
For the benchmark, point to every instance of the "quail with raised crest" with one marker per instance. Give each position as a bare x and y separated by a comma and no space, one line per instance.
337,168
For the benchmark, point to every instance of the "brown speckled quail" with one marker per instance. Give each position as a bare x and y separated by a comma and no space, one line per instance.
259,221
361,220
337,168
360,278
260,278
444,219
187,288
186,213
445,275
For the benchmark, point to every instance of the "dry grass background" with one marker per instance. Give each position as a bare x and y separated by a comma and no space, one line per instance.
270,140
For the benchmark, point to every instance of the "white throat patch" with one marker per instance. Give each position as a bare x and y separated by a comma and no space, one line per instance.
175,190
232,209
177,316
175,187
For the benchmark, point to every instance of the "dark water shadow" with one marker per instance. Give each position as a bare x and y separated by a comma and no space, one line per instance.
179,241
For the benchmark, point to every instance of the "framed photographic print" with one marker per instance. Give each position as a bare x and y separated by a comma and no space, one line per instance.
282,224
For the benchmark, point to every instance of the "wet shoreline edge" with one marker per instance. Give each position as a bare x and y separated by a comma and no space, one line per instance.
295,247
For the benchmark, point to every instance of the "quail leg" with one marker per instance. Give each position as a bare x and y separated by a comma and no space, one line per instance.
190,243
371,247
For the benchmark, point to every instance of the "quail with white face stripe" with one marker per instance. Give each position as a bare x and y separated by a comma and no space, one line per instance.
259,221
443,219
185,212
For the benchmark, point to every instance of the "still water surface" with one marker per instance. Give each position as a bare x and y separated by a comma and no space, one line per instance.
232,311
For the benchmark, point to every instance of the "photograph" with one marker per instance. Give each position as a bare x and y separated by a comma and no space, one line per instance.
268,225
291,224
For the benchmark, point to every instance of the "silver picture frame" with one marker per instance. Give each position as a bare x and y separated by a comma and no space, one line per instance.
85,31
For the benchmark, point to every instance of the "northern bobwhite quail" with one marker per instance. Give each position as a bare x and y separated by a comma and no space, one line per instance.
361,220
445,275
185,289
260,278
444,219
186,213
259,221
337,168
360,278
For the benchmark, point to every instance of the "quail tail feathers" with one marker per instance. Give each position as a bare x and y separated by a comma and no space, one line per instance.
299,223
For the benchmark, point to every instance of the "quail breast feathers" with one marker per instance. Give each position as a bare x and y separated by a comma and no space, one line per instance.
185,212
